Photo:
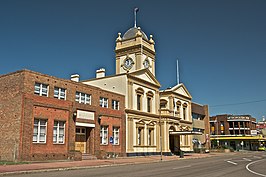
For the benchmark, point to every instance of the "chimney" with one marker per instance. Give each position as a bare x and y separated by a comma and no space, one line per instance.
75,77
100,73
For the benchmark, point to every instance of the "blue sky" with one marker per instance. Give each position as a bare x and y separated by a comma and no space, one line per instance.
221,44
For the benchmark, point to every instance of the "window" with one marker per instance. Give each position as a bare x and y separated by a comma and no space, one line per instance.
59,132
184,113
60,93
115,104
149,96
39,131
104,135
163,103
139,136
150,136
83,98
138,102
116,135
41,89
139,93
104,102
149,104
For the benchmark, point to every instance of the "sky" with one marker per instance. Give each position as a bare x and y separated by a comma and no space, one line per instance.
220,44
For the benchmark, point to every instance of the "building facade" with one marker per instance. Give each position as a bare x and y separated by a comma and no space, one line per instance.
135,78
44,117
261,127
235,131
176,118
200,122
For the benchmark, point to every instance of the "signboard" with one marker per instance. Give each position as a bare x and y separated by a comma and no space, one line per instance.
111,140
253,132
85,115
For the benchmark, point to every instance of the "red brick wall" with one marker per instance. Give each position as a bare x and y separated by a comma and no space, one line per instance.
10,115
19,106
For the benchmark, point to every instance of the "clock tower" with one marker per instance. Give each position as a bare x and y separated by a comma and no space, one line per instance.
134,51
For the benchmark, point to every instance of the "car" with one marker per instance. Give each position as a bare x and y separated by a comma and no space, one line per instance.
262,148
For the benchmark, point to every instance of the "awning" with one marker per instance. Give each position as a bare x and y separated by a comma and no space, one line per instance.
258,138
184,133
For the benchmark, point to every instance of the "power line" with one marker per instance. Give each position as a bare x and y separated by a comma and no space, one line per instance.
233,104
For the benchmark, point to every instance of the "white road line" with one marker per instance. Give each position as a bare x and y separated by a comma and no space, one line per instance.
247,167
181,167
247,159
231,162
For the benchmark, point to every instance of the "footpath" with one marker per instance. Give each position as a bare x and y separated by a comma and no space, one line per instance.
84,164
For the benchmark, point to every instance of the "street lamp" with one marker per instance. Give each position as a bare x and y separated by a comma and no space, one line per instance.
160,122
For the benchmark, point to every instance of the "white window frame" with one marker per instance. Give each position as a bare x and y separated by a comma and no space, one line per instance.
116,135
60,93
104,102
83,98
104,135
38,133
41,89
115,104
56,132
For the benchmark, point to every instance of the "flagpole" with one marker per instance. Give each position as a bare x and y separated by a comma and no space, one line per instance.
177,71
135,15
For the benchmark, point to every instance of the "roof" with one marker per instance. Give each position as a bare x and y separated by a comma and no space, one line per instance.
131,33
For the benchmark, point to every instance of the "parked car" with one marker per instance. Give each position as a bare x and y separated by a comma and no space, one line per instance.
262,148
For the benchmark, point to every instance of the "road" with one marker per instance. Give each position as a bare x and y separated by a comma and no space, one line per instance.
249,164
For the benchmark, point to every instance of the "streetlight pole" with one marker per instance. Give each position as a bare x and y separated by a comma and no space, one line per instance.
161,143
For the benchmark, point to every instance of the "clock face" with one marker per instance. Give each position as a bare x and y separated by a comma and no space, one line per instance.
128,63
146,63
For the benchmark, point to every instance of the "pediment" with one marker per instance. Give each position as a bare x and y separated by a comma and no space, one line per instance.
181,90
145,75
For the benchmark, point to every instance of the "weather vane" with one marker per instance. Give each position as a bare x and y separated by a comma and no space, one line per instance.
135,14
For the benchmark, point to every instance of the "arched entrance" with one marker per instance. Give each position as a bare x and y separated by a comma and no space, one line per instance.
174,141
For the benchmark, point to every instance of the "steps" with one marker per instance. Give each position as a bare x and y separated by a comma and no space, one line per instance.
88,157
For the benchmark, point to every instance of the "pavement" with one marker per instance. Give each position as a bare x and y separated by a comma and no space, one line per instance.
84,164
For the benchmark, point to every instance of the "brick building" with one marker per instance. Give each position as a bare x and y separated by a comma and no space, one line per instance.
235,131
44,117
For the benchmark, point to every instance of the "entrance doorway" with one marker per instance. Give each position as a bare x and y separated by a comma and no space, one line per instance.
174,141
81,139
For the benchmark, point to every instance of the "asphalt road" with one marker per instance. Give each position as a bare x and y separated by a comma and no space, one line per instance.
249,164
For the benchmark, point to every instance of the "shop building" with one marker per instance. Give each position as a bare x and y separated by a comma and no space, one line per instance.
235,131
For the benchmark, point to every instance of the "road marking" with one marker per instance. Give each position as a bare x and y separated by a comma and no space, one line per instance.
181,167
247,159
247,167
231,162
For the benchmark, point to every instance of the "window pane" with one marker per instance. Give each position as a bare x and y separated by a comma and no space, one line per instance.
77,96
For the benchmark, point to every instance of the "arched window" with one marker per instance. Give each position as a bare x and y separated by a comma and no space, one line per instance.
163,103
178,105
140,93
149,95
185,111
